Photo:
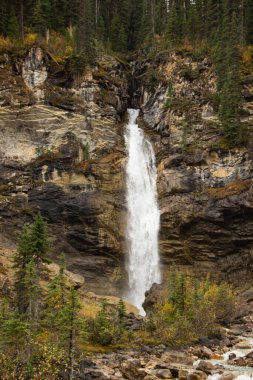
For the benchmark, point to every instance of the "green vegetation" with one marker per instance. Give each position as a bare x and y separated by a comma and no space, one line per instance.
39,327
44,331
191,308
86,152
74,32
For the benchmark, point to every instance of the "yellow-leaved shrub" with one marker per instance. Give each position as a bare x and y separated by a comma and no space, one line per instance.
192,308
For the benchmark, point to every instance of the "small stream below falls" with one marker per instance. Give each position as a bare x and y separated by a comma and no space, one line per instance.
143,218
229,367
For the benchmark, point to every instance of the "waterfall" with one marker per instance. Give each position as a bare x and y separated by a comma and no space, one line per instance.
143,219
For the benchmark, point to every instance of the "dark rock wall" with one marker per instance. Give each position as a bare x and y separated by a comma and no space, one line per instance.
62,152
205,189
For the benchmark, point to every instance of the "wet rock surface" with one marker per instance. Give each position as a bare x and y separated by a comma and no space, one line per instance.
205,189
62,152
161,362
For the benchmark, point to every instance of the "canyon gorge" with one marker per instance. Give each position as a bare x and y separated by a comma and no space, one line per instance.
63,153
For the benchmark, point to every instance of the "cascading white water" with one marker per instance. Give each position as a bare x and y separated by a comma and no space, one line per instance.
143,214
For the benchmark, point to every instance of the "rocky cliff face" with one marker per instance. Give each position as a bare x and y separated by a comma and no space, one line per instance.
62,152
205,189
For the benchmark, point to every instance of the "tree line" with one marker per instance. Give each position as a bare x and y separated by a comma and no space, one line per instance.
127,24
222,27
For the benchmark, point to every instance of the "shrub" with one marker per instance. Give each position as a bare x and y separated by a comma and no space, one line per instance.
192,308
59,46
5,44
30,39
86,151
247,60
101,329
188,73
76,63
152,77
169,96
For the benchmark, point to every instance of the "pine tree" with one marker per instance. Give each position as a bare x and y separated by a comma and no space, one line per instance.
72,323
174,32
135,24
85,31
118,36
228,70
32,292
21,260
59,13
39,238
192,30
33,246
72,13
55,302
160,16
101,328
248,20
12,24
121,314
61,317
39,21
3,17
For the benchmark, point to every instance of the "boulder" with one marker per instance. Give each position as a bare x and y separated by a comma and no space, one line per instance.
227,376
244,345
177,357
206,352
152,296
206,367
249,355
196,375
182,374
240,362
163,374
130,369
231,356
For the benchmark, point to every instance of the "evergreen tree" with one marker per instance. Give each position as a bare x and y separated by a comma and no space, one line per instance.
85,31
146,33
160,15
118,36
101,329
55,302
12,24
192,27
39,238
248,21
121,314
174,32
39,21
21,260
61,317
71,13
59,14
32,291
228,70
33,246
135,24
3,17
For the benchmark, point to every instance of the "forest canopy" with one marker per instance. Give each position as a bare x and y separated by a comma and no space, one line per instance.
128,24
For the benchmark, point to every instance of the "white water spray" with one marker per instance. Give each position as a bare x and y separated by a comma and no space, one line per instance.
143,214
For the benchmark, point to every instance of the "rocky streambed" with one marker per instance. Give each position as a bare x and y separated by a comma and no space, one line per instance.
225,356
